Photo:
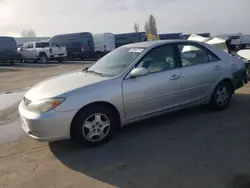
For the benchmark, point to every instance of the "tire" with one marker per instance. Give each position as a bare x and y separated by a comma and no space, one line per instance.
43,58
70,58
20,60
94,125
248,72
221,97
98,55
60,60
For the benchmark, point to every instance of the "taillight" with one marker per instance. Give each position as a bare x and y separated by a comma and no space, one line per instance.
105,47
50,50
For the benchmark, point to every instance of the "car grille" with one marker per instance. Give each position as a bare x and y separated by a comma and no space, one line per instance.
26,101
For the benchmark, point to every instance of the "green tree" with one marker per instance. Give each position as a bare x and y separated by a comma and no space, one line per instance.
136,27
151,26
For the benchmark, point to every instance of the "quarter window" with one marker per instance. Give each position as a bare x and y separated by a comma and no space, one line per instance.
159,59
194,55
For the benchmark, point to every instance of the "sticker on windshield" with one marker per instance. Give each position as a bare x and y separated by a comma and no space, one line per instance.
136,50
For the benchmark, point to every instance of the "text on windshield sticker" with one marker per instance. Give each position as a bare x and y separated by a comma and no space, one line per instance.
136,50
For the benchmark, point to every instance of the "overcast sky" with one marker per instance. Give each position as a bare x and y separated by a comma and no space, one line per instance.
50,17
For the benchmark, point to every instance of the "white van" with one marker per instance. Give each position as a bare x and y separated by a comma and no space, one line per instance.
104,43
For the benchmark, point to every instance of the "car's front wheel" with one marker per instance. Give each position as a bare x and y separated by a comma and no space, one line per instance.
221,96
94,125
60,60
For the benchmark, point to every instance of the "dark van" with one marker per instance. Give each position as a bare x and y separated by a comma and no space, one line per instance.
128,38
8,50
78,45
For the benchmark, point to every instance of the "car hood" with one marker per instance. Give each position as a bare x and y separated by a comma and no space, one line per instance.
61,84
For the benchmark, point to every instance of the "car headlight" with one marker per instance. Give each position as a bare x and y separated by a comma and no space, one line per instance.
44,105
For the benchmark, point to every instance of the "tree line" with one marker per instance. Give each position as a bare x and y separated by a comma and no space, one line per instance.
150,26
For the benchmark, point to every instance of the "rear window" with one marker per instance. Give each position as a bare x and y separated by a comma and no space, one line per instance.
7,43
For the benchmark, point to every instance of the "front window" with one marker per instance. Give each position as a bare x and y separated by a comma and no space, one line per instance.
159,59
115,62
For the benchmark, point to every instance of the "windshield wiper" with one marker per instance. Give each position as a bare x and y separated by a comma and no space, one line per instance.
98,73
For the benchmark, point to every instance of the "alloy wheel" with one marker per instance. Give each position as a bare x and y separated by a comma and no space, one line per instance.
222,95
96,127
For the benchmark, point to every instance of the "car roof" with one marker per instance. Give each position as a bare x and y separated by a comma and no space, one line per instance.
147,44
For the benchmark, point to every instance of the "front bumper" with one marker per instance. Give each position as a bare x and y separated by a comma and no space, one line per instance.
48,126
12,57
58,56
83,54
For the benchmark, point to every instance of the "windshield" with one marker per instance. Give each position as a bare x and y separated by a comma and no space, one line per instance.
116,61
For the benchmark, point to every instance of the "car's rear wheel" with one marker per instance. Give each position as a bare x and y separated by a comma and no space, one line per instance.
98,55
60,60
221,96
43,58
248,71
94,125
12,62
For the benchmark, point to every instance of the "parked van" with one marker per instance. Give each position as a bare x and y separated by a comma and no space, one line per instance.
104,43
78,45
8,50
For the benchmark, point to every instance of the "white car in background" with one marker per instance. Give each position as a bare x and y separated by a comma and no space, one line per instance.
104,43
42,51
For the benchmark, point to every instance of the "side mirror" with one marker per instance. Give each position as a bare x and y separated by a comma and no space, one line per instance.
138,72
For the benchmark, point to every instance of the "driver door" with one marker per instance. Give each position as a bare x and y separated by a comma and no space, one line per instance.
159,90
27,51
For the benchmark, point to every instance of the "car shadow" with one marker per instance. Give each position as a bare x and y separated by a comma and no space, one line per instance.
26,65
6,69
179,149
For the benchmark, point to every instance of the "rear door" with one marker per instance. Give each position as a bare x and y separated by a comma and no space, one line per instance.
109,42
200,71
31,51
88,42
28,51
8,48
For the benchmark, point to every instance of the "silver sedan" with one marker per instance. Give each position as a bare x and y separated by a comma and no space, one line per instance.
133,82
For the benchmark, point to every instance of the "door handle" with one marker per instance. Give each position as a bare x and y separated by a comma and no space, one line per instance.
217,67
174,77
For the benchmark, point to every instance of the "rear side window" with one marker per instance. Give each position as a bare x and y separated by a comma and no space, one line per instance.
192,54
42,45
7,43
